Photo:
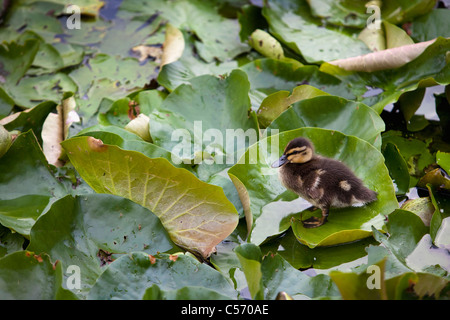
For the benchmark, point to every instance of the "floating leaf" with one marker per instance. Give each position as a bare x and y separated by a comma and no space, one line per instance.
301,256
77,229
27,184
197,215
429,68
259,187
186,293
423,207
398,169
218,36
190,112
415,153
29,119
267,276
354,286
443,160
276,103
437,178
39,278
432,25
250,258
267,76
136,273
334,113
291,23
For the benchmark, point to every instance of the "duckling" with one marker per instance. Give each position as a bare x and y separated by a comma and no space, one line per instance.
321,181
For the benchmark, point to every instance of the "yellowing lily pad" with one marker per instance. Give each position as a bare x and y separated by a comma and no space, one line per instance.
197,215
258,186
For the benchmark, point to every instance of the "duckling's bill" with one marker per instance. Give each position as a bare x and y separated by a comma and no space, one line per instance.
278,163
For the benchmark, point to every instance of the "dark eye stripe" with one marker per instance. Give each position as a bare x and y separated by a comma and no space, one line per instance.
296,152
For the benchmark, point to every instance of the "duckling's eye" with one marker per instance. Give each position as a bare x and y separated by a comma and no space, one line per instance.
304,153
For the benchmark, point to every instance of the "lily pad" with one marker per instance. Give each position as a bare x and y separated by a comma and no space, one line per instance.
356,13
108,76
267,76
81,230
39,278
212,174
398,169
197,215
291,23
34,90
27,184
10,241
218,36
432,25
191,111
188,66
267,276
443,160
301,256
259,186
278,102
415,153
186,293
29,119
15,60
354,286
129,276
427,69
334,113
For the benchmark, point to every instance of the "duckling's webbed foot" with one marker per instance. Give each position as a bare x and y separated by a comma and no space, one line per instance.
315,222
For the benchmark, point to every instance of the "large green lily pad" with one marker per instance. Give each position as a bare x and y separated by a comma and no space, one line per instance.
267,76
430,68
267,276
292,23
129,276
218,36
86,230
259,188
26,275
208,114
27,184
335,113
197,215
